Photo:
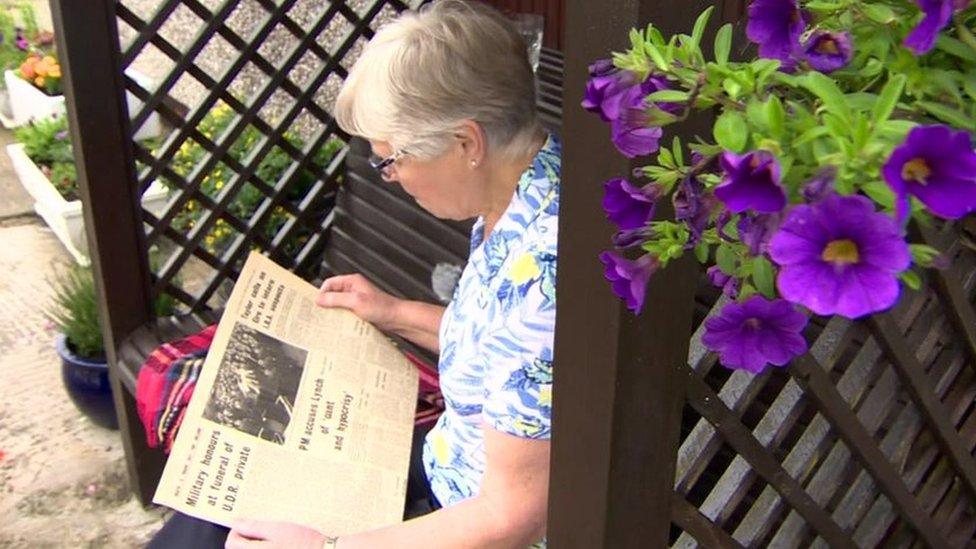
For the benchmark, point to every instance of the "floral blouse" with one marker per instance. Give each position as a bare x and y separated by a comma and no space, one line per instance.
496,336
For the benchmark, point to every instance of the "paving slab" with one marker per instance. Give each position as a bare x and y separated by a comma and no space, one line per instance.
62,478
14,200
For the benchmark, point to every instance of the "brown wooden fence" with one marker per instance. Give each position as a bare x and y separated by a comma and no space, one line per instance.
868,440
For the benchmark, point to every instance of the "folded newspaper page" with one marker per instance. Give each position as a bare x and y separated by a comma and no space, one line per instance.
300,414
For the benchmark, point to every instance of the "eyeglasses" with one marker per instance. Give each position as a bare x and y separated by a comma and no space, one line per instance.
383,165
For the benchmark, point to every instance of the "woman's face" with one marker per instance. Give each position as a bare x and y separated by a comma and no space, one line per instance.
446,186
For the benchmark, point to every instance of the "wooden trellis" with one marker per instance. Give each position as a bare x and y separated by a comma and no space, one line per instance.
294,239
866,441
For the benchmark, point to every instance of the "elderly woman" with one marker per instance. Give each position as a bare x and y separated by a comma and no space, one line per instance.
446,98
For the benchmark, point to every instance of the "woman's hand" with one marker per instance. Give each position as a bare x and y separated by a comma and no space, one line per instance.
257,533
359,295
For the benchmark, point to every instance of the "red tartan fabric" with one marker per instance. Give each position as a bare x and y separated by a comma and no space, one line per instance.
154,388
167,378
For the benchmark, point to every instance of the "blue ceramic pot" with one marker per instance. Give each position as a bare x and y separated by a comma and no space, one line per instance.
87,384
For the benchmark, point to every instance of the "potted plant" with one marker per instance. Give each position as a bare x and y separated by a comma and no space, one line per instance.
44,163
84,371
853,121
79,343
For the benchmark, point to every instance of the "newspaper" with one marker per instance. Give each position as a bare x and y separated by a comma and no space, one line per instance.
300,414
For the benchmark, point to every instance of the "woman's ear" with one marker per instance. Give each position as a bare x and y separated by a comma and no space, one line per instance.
473,146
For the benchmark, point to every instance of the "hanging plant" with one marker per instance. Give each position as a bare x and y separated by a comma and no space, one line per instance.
851,120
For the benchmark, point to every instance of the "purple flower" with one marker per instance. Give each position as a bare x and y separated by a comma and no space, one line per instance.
728,284
627,206
840,256
828,51
821,185
751,182
61,135
629,278
632,237
758,332
607,89
776,25
937,166
938,13
755,231
693,207
631,130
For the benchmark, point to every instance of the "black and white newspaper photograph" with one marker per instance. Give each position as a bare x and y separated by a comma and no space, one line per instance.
257,384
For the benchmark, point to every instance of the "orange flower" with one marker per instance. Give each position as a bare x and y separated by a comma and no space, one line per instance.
39,81
55,71
27,68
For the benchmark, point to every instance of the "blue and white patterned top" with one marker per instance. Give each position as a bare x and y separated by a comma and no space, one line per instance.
496,336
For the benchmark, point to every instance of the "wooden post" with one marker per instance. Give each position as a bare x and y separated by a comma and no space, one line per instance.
618,397
88,46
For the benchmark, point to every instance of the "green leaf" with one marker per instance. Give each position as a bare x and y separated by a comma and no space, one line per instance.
776,116
823,6
665,158
956,47
763,277
656,56
732,87
911,279
723,44
888,99
700,24
948,114
667,96
828,92
878,13
923,254
679,155
701,252
813,133
731,131
897,129
880,193
725,259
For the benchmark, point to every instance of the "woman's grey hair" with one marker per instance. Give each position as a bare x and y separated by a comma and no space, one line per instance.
425,73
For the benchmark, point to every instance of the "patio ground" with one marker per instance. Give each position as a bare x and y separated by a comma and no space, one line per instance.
62,478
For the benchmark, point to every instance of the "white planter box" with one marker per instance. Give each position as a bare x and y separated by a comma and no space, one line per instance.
29,103
65,217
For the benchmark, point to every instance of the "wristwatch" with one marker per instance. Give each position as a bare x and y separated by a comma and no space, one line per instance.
331,542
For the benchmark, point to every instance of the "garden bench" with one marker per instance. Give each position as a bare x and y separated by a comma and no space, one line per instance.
376,229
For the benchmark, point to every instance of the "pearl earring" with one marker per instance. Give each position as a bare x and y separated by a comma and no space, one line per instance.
474,163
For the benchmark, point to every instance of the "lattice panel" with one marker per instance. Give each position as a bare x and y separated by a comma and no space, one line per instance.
866,441
249,151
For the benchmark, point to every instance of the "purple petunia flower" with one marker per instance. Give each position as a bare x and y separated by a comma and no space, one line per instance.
820,185
728,284
605,87
627,206
755,231
937,165
21,41
693,207
828,51
632,237
629,278
609,89
751,182
756,333
840,256
938,13
631,130
776,25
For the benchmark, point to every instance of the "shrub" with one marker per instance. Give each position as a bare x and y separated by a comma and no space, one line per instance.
245,203
47,143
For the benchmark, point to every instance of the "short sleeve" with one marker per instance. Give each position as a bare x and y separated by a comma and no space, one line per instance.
518,349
